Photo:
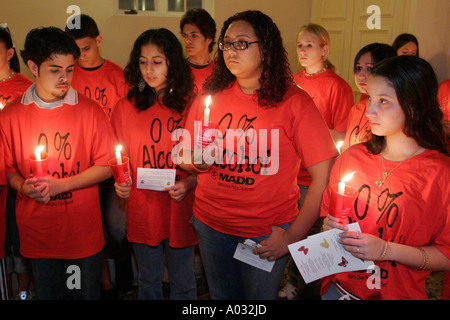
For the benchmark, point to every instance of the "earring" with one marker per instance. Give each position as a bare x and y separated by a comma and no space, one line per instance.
141,85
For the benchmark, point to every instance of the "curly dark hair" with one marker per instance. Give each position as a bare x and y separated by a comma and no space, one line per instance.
416,87
180,84
276,76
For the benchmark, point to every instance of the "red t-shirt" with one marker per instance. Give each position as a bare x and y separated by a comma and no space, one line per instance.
152,216
200,75
237,198
14,87
77,135
358,128
2,202
105,85
443,97
411,208
333,97
9,90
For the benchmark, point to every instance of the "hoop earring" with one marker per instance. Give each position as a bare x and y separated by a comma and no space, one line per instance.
141,85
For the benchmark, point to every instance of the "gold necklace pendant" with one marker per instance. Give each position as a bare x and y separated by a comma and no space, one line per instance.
380,181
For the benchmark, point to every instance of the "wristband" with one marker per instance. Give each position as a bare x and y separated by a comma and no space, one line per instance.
199,170
424,264
384,252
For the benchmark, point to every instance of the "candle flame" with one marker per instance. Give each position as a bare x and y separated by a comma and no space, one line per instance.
348,177
208,101
1,106
39,149
118,148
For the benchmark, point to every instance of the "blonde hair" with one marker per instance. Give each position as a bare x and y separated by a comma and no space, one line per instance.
322,34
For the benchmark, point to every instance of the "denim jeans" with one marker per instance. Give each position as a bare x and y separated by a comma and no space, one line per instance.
50,277
180,265
231,279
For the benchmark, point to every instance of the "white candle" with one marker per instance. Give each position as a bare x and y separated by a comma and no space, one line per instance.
341,185
37,152
118,154
206,114
339,145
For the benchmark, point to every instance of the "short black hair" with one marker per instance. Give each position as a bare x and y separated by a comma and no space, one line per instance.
204,22
42,43
88,27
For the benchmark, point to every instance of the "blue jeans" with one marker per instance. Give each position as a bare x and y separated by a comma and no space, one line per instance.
180,264
50,277
231,279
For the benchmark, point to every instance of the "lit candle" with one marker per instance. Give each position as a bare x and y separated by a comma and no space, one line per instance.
341,186
37,152
1,106
206,114
118,154
339,145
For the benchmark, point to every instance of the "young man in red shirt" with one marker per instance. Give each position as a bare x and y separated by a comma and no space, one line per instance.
58,215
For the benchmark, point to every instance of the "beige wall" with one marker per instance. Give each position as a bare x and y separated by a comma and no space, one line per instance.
430,24
120,31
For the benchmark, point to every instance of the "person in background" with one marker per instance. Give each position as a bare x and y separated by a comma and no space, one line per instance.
238,197
158,222
334,98
102,80
12,85
406,44
58,215
403,196
198,30
443,97
358,127
4,290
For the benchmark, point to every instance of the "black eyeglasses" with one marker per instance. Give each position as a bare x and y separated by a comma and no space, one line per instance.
238,45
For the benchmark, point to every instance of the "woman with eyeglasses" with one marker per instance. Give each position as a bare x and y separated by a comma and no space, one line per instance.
266,126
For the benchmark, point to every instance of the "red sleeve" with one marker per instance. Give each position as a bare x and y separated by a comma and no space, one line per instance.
310,133
342,101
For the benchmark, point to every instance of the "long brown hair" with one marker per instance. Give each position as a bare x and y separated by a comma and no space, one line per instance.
416,87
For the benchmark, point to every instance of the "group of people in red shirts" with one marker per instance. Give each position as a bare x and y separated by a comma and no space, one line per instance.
80,106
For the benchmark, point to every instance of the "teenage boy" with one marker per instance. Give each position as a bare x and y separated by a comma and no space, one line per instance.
198,30
94,76
58,215
102,80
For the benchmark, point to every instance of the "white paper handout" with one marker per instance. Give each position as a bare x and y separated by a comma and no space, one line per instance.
321,255
244,253
155,179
